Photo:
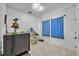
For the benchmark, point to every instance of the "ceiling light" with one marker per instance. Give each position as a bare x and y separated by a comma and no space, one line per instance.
38,7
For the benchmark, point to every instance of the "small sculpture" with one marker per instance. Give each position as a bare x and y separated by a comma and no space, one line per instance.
15,25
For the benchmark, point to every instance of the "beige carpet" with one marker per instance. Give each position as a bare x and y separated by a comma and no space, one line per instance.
49,49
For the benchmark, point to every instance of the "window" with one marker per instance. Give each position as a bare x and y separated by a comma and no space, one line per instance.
57,27
46,28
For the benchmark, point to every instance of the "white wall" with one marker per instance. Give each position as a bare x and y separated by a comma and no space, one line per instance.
2,25
69,27
25,21
77,26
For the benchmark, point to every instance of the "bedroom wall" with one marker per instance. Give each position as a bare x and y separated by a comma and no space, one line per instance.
25,21
2,25
77,26
69,27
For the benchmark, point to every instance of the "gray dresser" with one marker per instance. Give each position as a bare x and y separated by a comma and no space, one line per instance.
16,44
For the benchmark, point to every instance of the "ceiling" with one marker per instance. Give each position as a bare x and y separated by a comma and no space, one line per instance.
26,7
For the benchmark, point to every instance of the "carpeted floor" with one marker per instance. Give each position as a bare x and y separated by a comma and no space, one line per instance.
49,49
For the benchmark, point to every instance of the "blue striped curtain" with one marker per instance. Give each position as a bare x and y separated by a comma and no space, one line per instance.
46,28
57,27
